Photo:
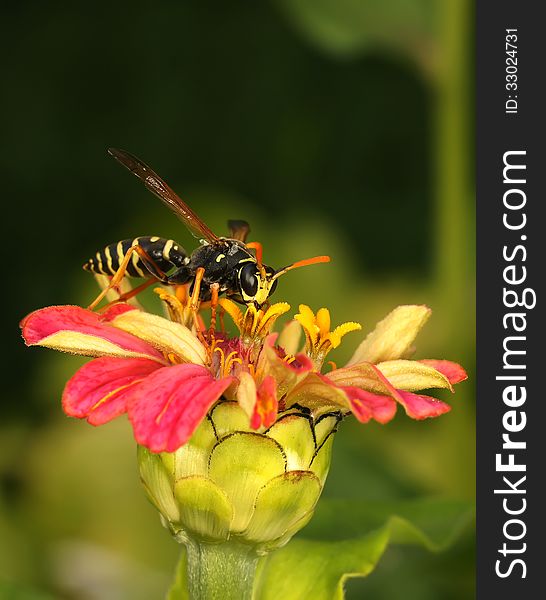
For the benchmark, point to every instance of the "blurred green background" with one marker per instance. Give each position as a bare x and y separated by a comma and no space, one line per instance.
337,127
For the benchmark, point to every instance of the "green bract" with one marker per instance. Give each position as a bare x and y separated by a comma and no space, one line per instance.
231,483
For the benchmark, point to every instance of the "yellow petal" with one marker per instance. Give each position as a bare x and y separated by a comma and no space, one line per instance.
306,318
315,394
270,316
269,363
232,310
164,335
75,342
173,308
341,330
250,321
306,312
246,393
393,336
323,321
363,375
289,338
411,376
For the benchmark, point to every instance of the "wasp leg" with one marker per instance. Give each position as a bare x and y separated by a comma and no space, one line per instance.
120,273
131,293
194,303
214,288
194,300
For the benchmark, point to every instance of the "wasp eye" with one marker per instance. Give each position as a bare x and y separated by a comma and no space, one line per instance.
248,279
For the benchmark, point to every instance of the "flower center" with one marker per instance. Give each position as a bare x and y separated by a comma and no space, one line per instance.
319,339
227,360
254,324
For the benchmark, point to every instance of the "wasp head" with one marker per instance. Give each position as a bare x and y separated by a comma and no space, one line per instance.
256,282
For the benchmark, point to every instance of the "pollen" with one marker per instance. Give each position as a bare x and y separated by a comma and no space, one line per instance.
227,362
255,323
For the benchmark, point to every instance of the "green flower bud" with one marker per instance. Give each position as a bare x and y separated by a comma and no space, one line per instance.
232,483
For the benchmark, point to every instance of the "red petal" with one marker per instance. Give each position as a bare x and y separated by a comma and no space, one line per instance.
265,409
115,310
453,371
365,376
167,407
99,390
42,323
366,405
301,363
421,407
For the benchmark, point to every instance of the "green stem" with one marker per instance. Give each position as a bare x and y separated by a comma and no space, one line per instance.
217,571
455,235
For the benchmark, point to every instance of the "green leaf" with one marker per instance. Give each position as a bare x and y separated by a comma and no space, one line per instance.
179,587
319,569
430,522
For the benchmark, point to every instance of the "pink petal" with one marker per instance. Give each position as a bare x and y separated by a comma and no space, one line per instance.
366,375
316,391
301,363
99,390
167,407
271,338
43,323
271,362
453,371
115,310
422,407
265,409
366,406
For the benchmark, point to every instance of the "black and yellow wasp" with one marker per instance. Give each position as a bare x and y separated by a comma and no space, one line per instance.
219,265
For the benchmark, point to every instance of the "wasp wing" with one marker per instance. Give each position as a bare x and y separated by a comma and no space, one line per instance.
165,193
238,230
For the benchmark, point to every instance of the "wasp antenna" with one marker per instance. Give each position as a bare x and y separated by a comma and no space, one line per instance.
301,263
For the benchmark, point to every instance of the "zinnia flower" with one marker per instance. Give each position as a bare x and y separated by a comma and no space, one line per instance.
167,378
235,433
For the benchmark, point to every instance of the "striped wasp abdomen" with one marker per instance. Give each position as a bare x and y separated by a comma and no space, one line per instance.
165,255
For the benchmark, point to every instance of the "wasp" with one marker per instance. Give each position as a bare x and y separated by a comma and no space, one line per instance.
219,265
